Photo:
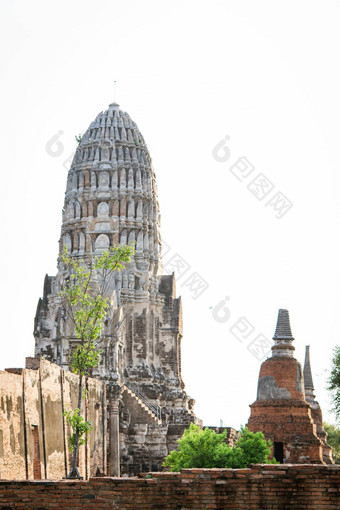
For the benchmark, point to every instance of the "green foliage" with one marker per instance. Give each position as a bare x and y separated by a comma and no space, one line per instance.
255,448
83,296
84,357
78,138
334,381
79,426
333,439
199,448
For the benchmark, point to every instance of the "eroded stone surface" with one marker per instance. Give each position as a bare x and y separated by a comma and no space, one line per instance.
111,196
33,430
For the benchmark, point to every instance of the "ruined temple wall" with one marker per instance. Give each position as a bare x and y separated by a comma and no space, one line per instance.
12,441
96,446
52,410
69,400
33,430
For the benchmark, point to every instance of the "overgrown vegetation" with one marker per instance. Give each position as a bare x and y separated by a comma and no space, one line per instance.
334,381
333,439
199,448
84,299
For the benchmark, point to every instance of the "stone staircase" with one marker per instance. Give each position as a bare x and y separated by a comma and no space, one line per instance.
148,409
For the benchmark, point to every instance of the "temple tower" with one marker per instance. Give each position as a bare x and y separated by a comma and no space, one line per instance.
280,410
315,408
111,197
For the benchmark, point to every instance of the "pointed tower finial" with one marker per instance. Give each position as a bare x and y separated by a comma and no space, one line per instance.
307,373
114,105
283,330
283,335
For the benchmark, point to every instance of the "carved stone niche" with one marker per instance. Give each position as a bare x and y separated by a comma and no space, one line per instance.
103,179
105,150
70,211
67,242
81,243
103,209
102,243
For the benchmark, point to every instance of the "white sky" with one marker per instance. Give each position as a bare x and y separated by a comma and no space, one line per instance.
266,74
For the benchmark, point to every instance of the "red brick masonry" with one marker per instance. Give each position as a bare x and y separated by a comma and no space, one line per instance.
262,487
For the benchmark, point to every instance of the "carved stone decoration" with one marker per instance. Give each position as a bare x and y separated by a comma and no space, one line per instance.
123,237
67,242
110,196
131,239
114,180
103,209
105,151
131,209
81,243
104,180
77,211
139,213
102,242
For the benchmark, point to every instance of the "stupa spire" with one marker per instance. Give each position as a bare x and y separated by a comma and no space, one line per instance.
283,337
307,373
283,330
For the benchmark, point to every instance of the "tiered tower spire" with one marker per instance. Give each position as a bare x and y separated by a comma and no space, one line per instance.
111,197
283,337
307,374
315,408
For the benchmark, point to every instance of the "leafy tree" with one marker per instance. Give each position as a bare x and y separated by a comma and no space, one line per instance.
199,448
333,440
79,425
334,381
84,298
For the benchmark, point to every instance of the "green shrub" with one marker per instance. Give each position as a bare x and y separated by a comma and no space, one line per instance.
199,448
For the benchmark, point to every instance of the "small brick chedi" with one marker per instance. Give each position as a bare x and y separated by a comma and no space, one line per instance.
285,409
111,197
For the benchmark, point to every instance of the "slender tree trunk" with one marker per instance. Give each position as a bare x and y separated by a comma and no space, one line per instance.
74,473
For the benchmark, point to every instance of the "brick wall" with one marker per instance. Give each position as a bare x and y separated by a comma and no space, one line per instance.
33,430
17,371
32,363
263,487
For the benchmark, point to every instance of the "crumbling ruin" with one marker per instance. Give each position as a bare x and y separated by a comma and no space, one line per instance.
111,197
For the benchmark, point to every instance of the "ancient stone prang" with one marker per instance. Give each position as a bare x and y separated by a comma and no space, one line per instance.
111,197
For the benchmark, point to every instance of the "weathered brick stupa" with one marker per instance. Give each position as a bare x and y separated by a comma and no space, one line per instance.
281,411
315,408
111,197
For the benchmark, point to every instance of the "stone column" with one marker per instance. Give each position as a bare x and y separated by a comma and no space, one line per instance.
114,450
